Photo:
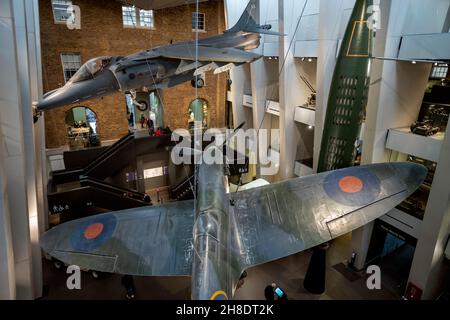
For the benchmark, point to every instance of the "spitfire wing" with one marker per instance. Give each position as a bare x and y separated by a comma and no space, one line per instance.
150,241
282,219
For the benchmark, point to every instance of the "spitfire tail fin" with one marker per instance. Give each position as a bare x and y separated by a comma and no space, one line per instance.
249,21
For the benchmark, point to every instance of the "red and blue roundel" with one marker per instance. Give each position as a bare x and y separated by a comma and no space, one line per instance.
93,233
353,186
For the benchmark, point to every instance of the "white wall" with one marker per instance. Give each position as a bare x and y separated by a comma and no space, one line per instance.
396,93
418,16
414,17
22,163
7,274
428,269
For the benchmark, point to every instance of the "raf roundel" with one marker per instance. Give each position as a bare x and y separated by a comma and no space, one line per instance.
219,295
353,186
93,233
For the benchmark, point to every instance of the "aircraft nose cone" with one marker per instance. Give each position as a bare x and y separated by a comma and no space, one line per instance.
54,99
412,174
76,92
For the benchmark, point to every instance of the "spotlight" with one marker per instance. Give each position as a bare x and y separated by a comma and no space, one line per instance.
310,60
310,127
303,59
414,62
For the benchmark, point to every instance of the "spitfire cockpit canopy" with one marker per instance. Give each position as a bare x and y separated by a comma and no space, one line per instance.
91,68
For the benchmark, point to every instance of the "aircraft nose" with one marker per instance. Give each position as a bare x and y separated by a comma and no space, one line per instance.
56,98
76,92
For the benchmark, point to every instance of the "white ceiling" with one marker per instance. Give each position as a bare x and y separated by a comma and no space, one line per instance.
158,4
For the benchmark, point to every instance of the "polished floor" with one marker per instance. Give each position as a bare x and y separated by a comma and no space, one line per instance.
288,273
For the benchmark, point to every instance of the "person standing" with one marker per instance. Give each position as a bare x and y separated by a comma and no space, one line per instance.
150,126
142,120
128,283
269,294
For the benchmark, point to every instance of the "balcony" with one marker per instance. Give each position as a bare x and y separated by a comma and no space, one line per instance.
56,162
403,221
425,47
305,115
273,107
303,168
402,140
247,101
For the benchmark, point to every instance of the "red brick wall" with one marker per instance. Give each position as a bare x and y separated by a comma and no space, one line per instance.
102,33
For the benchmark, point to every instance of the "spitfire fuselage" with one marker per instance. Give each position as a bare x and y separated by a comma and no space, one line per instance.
211,237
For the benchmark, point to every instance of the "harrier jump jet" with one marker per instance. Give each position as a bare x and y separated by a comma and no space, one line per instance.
219,235
165,66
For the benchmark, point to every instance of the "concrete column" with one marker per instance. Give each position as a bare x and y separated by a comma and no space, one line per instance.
24,17
240,78
330,21
260,82
395,97
428,270
361,237
290,84
262,85
7,274
36,88
17,30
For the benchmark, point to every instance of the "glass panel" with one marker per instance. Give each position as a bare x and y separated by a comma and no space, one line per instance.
60,10
71,64
440,71
146,18
129,15
198,21
91,68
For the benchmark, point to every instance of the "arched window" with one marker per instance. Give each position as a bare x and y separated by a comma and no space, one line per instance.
198,111
81,125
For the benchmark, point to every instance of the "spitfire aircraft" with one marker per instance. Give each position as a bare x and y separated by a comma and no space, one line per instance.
165,66
219,235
